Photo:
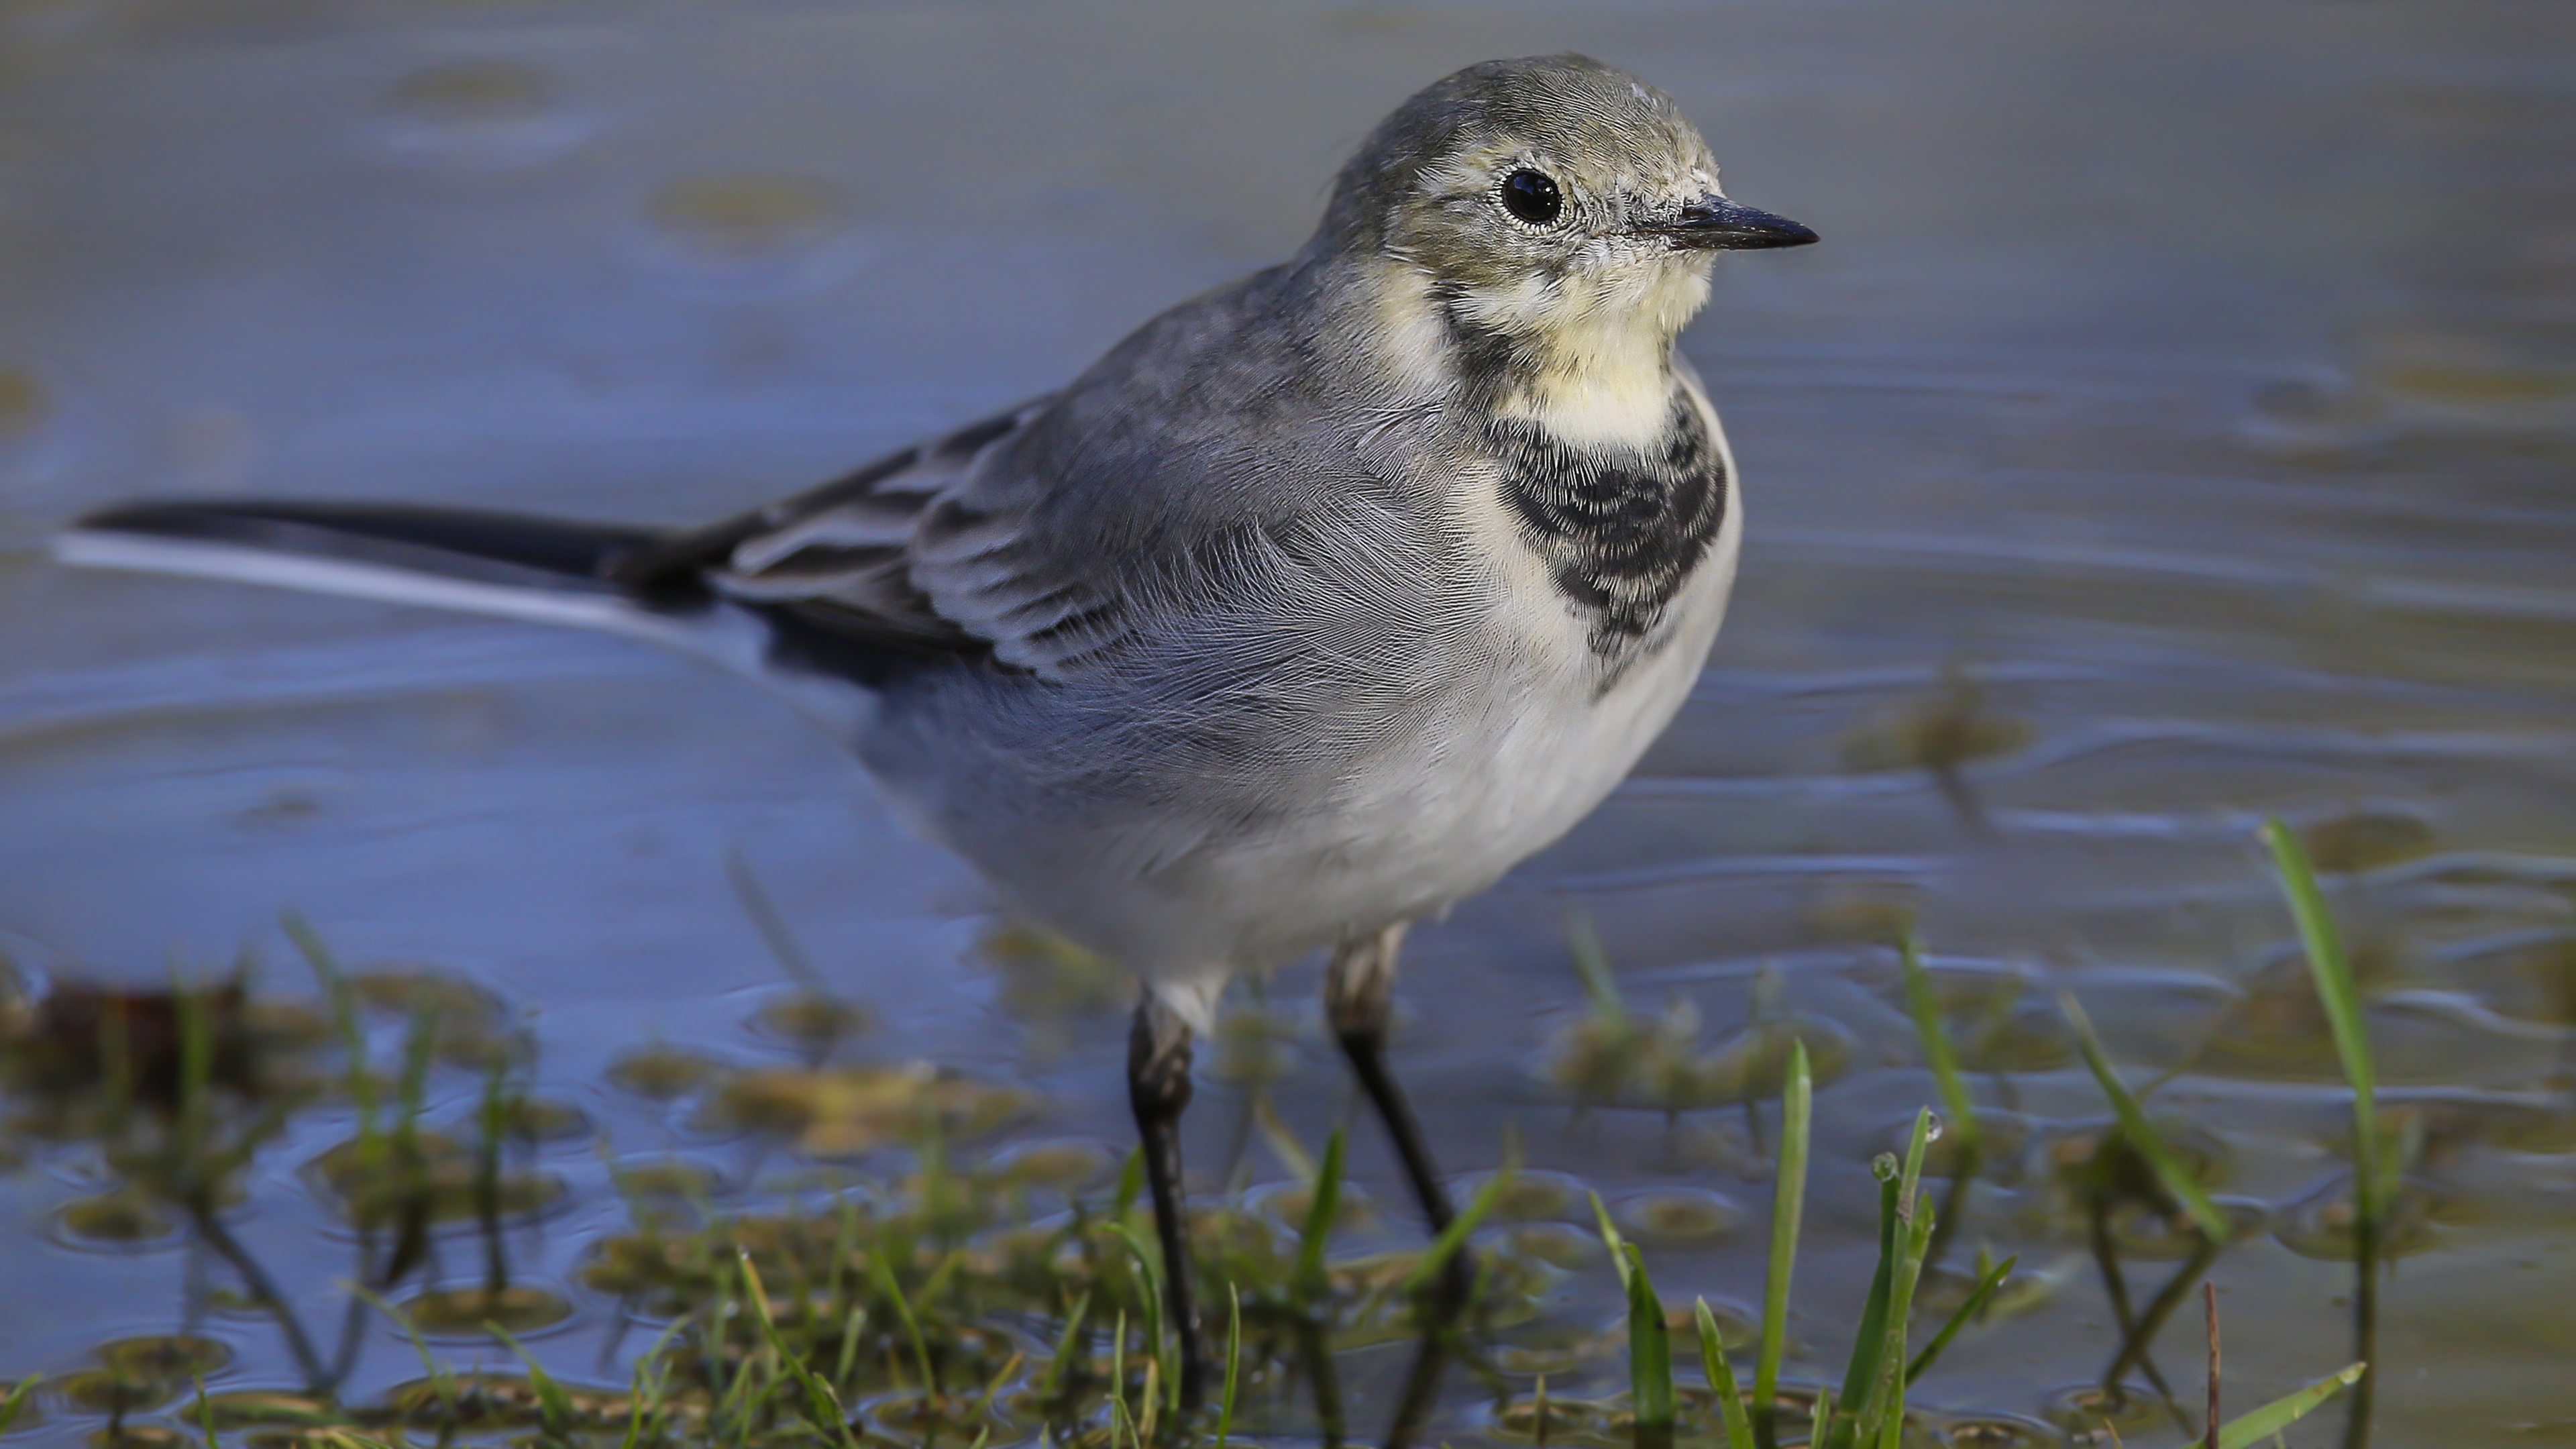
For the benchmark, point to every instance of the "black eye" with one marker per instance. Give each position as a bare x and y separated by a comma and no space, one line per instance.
1532,197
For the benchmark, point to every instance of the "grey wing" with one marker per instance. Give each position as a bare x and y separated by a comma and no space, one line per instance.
1064,540
888,555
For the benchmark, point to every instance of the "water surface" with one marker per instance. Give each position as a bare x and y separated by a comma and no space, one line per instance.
2175,429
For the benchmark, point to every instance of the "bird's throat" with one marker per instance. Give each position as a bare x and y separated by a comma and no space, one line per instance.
1593,386
1587,359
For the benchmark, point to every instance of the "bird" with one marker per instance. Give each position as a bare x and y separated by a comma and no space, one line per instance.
1307,611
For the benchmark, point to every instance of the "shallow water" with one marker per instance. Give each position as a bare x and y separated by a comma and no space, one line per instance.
2176,428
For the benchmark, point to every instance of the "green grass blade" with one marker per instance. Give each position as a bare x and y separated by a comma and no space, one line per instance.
2141,1133
2247,1430
492,1124
1938,1053
1002,1376
1788,1209
652,1394
1453,1238
1650,1352
1150,1402
1323,1206
16,1402
823,1406
1721,1378
853,1324
1908,1230
638,1389
411,1089
1610,1239
1131,1185
1871,1337
1889,1397
1067,1344
2341,996
1118,1368
196,1074
554,1409
845,1240
420,1047
883,1273
1233,1362
1282,1141
441,1382
939,1279
344,1023
1148,1265
1977,1300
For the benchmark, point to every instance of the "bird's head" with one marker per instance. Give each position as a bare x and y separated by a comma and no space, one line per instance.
1554,209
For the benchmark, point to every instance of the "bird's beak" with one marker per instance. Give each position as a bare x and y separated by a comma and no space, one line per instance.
1714,223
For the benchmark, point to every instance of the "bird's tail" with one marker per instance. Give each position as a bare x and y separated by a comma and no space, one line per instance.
541,570
538,569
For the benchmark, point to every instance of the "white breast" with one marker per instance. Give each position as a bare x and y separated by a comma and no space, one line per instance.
1549,746
1510,765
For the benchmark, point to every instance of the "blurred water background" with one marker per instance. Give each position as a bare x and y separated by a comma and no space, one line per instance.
2176,427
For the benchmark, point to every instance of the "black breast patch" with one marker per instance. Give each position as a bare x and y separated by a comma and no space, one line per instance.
1621,530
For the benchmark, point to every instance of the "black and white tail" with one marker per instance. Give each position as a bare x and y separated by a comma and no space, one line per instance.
540,570
810,596
506,566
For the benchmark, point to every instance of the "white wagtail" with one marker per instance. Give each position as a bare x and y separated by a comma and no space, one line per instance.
1313,607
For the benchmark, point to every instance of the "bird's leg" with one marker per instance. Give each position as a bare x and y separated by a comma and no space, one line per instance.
1158,1087
1359,997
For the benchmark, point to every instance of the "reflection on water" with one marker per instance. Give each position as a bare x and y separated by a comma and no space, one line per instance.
2175,429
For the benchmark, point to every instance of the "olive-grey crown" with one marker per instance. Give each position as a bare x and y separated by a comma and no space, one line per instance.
1607,149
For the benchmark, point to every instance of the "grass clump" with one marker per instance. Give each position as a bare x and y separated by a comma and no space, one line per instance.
1868,1410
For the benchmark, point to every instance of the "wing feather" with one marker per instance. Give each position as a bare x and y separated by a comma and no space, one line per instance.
851,556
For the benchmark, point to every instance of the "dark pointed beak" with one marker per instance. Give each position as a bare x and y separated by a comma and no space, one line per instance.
1714,223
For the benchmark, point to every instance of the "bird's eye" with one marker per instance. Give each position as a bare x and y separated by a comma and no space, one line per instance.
1532,197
